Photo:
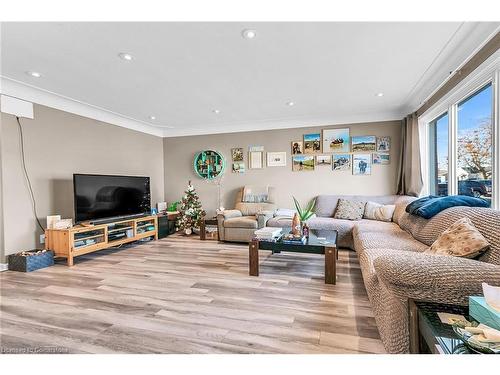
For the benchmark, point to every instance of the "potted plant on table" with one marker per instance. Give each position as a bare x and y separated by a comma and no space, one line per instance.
299,222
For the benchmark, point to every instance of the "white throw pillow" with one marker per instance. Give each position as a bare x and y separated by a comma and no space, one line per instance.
377,211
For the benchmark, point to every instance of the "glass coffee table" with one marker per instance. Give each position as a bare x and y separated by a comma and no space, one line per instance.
319,242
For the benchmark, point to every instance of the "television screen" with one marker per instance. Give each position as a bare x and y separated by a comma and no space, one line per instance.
102,196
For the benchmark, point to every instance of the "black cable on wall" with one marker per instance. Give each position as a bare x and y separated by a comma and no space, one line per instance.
23,162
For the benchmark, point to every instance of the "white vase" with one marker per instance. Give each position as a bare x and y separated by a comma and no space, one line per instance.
188,231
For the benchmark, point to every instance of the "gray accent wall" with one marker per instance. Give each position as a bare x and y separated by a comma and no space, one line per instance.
58,144
180,151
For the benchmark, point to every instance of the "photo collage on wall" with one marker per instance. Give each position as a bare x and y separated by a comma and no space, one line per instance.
330,148
343,151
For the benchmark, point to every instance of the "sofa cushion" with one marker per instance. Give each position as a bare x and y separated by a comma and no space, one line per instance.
377,211
350,209
280,222
461,239
248,209
401,204
376,226
486,220
241,222
393,241
327,204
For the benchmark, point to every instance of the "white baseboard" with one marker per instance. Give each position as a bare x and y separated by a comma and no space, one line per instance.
4,267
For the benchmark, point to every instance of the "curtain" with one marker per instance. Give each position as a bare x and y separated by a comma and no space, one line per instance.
410,172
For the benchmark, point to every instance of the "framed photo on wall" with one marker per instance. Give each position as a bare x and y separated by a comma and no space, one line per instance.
297,148
255,160
362,164
364,143
302,163
312,143
341,162
239,167
323,160
383,144
380,158
276,159
237,154
336,140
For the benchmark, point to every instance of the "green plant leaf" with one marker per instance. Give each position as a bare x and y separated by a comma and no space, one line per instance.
297,206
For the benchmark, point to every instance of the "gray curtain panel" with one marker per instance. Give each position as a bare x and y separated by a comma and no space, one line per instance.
410,174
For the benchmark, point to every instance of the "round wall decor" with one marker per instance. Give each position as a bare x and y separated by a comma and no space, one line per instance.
209,164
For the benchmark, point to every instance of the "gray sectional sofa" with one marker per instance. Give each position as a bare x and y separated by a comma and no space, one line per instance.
394,266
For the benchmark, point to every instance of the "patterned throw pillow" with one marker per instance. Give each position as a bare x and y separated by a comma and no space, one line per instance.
380,212
349,210
461,239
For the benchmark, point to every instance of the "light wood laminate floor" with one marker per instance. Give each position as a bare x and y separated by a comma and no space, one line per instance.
183,295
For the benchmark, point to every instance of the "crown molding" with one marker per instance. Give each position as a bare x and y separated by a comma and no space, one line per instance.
286,123
470,36
47,98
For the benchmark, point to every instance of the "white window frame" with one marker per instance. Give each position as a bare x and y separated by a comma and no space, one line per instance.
487,72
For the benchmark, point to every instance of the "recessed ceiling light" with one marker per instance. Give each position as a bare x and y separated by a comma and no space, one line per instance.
126,56
379,94
249,33
34,74
216,111
152,118
290,104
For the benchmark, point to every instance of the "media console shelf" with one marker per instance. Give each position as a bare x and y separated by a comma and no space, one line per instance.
79,240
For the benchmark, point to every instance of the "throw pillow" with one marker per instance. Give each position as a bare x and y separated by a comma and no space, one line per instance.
377,211
461,239
349,210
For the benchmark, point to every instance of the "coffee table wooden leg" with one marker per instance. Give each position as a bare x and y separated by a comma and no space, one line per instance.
253,255
330,265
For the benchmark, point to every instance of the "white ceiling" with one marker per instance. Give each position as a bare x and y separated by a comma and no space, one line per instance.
181,72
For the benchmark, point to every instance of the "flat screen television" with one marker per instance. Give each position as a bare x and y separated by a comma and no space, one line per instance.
99,197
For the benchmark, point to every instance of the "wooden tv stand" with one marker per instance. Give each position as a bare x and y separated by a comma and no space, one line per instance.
84,239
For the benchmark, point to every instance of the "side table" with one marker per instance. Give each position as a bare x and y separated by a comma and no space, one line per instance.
203,227
429,335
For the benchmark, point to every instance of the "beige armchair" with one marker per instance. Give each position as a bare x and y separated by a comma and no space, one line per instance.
239,225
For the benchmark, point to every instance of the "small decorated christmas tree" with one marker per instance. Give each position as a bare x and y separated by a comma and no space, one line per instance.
191,212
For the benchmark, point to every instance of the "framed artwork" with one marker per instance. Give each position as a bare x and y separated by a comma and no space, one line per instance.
336,140
364,143
209,164
323,159
383,159
276,159
383,144
237,154
312,143
255,160
239,167
302,163
255,148
297,148
362,164
342,162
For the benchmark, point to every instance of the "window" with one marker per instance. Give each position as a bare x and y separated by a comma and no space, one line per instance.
474,144
438,156
459,150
